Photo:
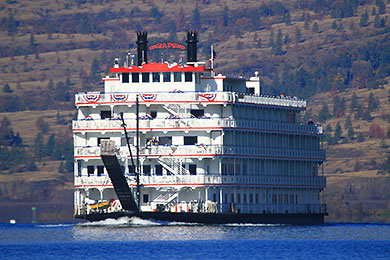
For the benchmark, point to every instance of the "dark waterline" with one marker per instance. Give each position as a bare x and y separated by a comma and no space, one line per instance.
149,240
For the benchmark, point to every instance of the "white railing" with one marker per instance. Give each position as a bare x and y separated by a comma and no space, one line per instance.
98,98
188,180
275,208
188,123
275,101
206,150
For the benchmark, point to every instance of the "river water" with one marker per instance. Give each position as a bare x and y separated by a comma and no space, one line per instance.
140,239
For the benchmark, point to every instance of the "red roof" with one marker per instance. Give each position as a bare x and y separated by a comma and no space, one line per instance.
156,67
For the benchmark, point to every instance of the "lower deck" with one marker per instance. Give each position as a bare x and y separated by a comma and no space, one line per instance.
212,218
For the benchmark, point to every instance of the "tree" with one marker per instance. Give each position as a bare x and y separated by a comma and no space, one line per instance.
271,39
38,147
364,20
323,115
350,133
298,35
225,16
334,25
196,19
381,6
372,102
50,85
95,69
354,103
12,25
315,27
181,21
277,45
7,88
376,131
32,40
385,167
338,132
156,14
348,123
287,18
377,21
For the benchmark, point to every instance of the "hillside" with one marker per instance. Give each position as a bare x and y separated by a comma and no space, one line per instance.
318,50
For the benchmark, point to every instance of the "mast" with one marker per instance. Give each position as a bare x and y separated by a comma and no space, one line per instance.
137,142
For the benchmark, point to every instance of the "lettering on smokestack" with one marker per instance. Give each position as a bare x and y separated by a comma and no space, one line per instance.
191,46
142,47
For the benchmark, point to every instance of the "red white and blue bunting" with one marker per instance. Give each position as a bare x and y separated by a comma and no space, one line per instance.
119,97
209,96
91,98
148,97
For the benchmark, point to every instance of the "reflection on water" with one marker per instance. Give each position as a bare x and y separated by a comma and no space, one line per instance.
135,229
142,230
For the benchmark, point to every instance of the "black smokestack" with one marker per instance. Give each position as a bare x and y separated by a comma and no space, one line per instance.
191,46
142,47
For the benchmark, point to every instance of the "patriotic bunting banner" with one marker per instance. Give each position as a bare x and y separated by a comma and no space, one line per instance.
91,98
209,96
148,97
119,97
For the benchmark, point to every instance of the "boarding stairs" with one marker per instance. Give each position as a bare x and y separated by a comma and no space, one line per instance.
180,110
173,166
166,198
116,174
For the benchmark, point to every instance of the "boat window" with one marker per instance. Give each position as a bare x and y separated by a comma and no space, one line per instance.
232,198
146,169
105,114
257,198
102,138
131,170
188,76
159,169
135,77
250,198
125,77
124,143
238,198
177,76
145,76
145,198
91,170
214,197
100,170
156,76
165,140
190,140
197,113
166,76
192,169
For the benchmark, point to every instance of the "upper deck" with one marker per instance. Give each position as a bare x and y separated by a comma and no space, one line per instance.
95,99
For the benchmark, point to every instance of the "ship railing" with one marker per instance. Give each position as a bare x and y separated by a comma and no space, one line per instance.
205,150
114,124
212,180
269,100
102,98
259,208
276,181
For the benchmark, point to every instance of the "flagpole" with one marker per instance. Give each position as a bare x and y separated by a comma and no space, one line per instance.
212,60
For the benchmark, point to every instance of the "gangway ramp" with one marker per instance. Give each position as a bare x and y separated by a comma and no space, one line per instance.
115,172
